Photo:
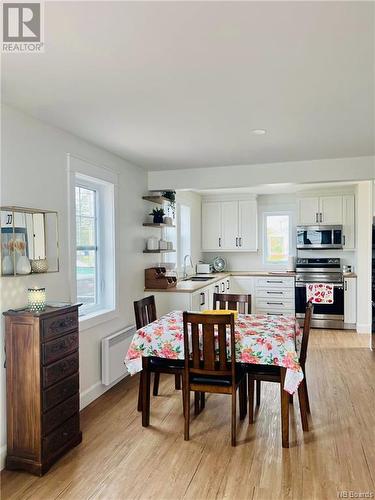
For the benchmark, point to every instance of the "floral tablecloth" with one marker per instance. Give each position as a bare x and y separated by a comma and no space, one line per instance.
260,339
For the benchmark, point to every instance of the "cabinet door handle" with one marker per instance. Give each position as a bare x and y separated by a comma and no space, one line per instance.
222,287
321,217
220,242
202,299
275,303
227,284
274,281
316,217
217,288
346,286
240,241
275,293
236,242
343,240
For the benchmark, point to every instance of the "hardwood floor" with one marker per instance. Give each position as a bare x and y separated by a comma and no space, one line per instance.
118,459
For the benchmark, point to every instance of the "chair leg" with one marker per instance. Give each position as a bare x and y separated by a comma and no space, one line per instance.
146,395
307,395
196,403
303,407
187,410
251,399
203,400
156,383
290,399
259,388
284,396
177,382
242,393
140,391
234,408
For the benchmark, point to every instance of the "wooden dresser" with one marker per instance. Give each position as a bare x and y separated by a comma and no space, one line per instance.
42,381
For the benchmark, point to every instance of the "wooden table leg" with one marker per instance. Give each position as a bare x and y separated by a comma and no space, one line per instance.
284,410
146,382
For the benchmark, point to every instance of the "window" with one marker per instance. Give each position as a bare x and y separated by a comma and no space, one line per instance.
184,234
88,251
93,239
276,238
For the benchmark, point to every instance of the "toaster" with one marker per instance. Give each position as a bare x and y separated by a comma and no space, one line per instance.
204,268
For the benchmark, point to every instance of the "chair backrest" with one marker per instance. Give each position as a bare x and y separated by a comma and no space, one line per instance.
306,332
145,311
204,358
240,303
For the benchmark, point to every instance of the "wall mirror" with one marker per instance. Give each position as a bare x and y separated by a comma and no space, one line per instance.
29,241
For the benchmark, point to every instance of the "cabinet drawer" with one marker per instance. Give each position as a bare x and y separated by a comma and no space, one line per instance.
58,348
60,413
61,369
274,282
58,325
62,435
274,304
60,392
267,293
287,312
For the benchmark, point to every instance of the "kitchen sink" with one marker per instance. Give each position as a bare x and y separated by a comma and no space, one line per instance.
199,278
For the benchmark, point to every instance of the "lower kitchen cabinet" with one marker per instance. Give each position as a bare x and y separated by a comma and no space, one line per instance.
350,302
275,295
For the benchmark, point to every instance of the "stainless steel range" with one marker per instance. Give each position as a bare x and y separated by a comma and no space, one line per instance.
321,270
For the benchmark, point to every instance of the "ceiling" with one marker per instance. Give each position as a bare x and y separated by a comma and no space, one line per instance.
182,84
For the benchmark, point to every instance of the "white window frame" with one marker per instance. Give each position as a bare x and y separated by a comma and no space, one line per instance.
105,182
264,228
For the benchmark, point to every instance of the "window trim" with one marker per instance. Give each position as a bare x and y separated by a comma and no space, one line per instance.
264,228
81,167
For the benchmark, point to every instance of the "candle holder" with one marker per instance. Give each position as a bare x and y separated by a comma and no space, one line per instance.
36,299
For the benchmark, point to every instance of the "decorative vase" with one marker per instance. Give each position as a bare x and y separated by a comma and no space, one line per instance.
7,266
39,266
23,265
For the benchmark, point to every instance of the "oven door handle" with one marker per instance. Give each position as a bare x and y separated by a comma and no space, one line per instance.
335,285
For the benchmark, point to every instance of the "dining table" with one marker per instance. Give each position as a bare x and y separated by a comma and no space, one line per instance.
260,339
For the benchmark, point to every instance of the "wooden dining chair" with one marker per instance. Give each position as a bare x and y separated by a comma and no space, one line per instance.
235,302
145,313
272,373
209,370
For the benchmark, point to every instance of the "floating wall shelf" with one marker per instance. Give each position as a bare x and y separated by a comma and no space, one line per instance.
161,225
156,199
158,251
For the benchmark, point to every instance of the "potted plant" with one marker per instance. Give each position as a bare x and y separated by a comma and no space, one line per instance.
171,196
158,214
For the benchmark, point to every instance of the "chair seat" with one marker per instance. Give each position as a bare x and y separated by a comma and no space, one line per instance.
160,363
269,370
223,381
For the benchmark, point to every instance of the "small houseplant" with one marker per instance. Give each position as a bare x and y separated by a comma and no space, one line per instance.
171,196
158,214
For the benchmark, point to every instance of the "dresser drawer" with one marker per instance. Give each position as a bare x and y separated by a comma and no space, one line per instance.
58,325
268,293
61,436
55,417
271,282
60,369
59,392
274,304
58,348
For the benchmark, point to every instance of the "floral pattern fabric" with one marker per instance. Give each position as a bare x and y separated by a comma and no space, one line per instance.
259,339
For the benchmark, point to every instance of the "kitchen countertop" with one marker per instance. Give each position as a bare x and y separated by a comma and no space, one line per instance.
193,286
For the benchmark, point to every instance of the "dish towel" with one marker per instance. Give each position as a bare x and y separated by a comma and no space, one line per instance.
319,293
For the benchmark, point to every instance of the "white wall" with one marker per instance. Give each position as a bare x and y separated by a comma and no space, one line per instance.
245,261
34,174
194,201
238,176
364,256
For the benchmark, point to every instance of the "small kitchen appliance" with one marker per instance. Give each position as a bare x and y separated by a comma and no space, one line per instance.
325,271
203,268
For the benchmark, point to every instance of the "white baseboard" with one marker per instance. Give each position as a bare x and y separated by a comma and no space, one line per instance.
95,391
363,328
3,452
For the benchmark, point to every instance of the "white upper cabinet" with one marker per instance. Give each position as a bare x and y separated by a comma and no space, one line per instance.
229,225
348,221
330,211
229,228
308,210
248,225
211,226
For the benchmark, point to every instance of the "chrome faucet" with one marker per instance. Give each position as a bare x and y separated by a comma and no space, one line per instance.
185,275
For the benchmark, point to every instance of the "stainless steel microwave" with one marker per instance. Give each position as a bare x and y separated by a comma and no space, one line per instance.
323,237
